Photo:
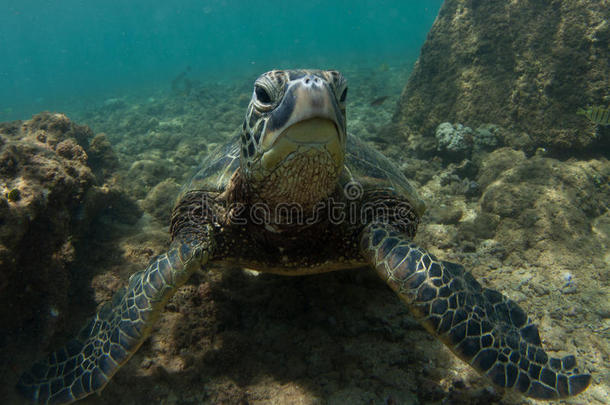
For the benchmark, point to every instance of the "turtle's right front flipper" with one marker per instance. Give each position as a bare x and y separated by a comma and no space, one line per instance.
115,333
483,327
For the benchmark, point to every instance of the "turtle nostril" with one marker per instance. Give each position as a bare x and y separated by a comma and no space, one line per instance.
312,80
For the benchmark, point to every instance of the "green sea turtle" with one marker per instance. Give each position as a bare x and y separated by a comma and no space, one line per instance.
295,194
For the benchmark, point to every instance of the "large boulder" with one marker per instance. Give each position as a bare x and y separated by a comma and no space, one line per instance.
48,199
523,65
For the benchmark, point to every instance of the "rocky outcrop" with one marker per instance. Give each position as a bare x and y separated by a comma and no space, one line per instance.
523,65
48,198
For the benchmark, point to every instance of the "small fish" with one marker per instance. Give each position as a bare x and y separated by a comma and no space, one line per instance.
596,114
378,101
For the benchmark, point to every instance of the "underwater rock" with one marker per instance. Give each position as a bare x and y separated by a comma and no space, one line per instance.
51,128
544,205
483,226
456,140
486,137
524,65
69,149
109,203
465,169
48,198
144,174
496,163
102,158
43,164
159,202
445,215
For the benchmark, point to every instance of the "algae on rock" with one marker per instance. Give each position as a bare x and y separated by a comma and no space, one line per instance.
497,62
48,198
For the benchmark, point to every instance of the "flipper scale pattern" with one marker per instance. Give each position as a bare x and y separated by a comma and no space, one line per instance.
86,364
484,328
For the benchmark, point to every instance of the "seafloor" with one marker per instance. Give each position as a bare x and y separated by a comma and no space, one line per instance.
529,225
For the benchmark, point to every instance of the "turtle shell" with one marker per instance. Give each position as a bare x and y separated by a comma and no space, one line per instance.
364,166
216,169
370,169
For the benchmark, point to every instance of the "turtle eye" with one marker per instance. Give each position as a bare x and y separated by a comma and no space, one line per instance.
343,96
262,95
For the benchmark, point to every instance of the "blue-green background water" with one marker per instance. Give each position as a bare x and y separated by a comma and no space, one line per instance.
63,55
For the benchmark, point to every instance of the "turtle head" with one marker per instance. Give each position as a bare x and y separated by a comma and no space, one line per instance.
293,138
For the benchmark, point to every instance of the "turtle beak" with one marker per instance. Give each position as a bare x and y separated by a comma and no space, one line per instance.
312,133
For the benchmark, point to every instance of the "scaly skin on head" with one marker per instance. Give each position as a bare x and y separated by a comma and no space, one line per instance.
294,132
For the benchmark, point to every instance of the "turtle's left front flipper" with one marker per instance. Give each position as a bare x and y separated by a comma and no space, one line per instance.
484,328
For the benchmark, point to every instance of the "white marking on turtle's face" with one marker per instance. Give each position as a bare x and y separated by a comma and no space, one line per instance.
293,113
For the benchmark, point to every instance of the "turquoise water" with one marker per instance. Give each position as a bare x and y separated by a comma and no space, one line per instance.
61,55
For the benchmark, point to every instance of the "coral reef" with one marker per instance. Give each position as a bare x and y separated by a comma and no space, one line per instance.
495,62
